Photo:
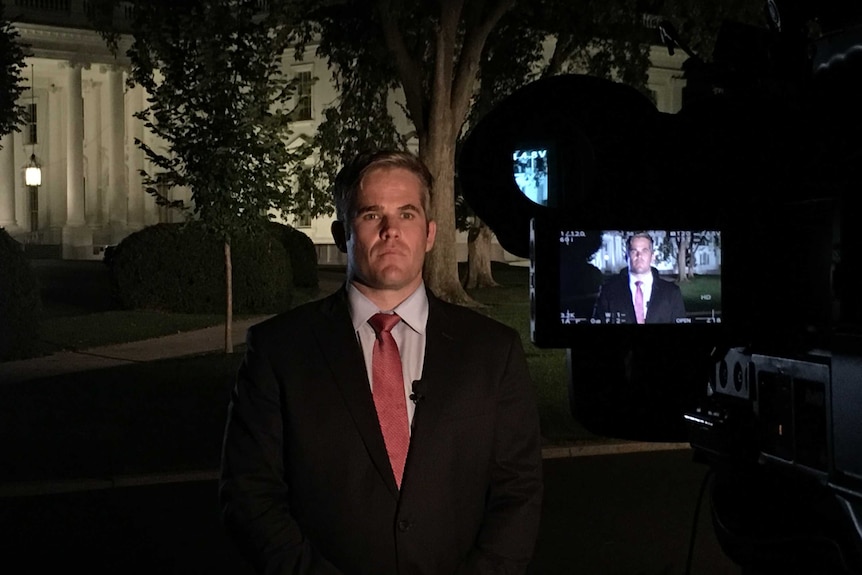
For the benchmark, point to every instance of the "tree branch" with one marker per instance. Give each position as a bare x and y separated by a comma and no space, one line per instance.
562,52
444,60
408,67
468,65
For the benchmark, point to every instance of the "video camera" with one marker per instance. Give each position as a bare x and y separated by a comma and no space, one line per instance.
750,196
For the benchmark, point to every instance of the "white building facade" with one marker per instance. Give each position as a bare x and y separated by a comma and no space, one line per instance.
84,129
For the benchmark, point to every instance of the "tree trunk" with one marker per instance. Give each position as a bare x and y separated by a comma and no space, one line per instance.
441,263
228,279
439,118
479,257
681,259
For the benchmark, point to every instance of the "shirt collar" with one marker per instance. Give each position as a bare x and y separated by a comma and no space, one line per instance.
646,282
646,279
413,310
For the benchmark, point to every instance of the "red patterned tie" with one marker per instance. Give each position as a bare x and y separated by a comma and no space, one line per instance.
388,392
639,302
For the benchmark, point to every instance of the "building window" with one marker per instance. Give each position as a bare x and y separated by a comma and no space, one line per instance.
163,189
43,5
304,220
302,110
30,132
303,185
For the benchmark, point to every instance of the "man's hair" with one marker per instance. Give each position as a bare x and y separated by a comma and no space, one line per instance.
349,179
638,235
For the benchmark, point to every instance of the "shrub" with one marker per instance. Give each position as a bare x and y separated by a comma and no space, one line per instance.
20,301
302,254
180,268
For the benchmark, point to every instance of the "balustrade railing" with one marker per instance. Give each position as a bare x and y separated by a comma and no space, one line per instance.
67,13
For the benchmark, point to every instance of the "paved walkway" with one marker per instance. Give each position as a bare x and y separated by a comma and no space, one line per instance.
176,345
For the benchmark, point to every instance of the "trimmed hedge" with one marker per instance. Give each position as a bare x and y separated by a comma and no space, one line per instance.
303,255
179,268
20,301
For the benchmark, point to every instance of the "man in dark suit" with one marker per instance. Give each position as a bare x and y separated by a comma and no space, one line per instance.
314,479
637,294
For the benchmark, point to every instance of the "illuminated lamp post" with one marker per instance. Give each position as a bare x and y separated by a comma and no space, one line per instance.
33,172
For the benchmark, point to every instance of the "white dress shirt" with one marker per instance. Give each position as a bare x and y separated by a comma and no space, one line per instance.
409,334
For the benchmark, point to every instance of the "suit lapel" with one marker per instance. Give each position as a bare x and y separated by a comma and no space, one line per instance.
625,297
343,355
656,298
439,375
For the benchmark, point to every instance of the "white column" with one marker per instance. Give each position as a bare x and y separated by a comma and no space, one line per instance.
74,148
93,152
677,83
77,238
117,195
7,183
53,188
136,158
22,192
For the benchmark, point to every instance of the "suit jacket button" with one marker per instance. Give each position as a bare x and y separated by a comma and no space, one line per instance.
403,525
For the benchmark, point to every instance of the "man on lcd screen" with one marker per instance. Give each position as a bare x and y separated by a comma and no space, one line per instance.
637,294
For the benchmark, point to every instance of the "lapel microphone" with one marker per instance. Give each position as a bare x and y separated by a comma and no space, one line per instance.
418,392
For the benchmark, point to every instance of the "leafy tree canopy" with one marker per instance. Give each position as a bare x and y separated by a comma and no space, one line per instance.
218,101
536,38
698,22
11,64
452,61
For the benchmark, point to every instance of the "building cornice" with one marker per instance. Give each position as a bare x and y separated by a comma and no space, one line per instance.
661,58
71,44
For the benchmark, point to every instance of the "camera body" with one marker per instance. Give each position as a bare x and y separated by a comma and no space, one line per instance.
750,197
799,413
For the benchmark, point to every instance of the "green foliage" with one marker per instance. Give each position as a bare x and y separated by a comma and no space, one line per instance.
180,268
219,107
88,330
301,252
219,103
364,77
11,64
374,94
605,39
311,195
20,302
698,22
694,290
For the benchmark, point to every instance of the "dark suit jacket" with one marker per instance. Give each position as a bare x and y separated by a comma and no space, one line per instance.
306,485
665,306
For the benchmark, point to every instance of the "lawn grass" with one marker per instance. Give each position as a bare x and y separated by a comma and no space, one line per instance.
701,293
185,379
75,329
79,332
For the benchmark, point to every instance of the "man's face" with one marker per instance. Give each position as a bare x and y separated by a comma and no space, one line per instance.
389,234
640,256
